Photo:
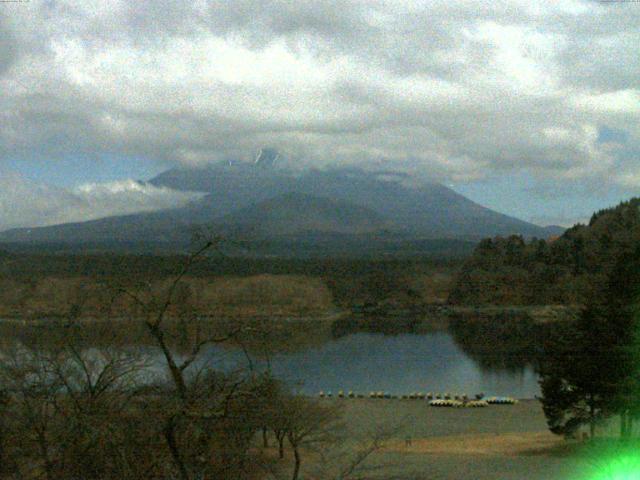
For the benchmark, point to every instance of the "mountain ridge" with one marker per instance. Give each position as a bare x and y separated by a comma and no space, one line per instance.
266,202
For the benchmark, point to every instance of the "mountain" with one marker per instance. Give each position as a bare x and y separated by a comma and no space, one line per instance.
297,214
262,201
426,210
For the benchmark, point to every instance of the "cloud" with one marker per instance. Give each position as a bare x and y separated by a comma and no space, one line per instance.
460,89
8,54
24,203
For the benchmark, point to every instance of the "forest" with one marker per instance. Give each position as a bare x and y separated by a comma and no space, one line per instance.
565,270
588,366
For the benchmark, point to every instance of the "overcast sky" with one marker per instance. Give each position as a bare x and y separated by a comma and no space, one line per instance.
529,107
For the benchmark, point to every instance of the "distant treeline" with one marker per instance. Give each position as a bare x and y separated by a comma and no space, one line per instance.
45,285
566,270
303,246
148,265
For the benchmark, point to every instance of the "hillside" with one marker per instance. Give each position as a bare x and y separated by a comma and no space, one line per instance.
296,213
567,270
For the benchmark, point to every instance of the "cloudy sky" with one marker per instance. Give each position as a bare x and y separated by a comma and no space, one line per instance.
529,107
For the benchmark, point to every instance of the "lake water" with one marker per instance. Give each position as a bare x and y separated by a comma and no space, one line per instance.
397,364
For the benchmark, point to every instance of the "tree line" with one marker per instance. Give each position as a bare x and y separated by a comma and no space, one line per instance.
565,270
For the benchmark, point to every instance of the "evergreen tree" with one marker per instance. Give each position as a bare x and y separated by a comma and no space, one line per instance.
624,322
574,392
590,371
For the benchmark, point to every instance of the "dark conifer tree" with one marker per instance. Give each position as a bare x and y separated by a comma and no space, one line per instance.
591,371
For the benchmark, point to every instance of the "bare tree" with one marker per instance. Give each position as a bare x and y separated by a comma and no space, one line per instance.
27,378
346,458
309,424
199,401
68,406
75,410
315,430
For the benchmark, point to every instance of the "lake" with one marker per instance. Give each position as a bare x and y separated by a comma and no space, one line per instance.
398,364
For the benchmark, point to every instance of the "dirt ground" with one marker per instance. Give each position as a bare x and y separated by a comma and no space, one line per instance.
512,444
496,442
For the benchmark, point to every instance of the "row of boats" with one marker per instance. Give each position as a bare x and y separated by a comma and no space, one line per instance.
474,403
435,400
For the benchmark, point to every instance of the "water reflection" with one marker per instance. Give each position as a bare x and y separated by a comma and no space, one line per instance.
399,364
465,361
